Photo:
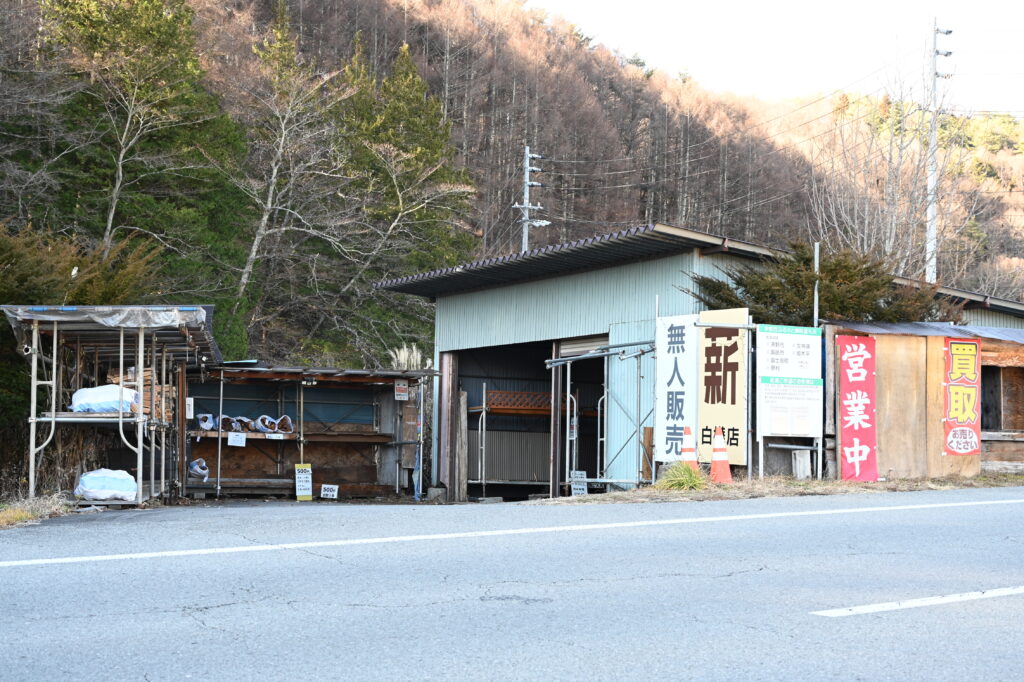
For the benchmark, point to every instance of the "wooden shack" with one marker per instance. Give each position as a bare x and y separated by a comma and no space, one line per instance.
358,429
911,381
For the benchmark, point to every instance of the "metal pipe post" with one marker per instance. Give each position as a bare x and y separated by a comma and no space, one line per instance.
483,446
32,411
140,418
152,423
220,428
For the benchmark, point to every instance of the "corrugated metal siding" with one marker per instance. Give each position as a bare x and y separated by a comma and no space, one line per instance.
992,318
622,436
511,456
581,304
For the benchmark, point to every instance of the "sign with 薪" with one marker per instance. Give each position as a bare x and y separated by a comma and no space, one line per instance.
858,435
236,438
790,391
722,388
401,389
304,482
329,492
962,383
578,483
676,343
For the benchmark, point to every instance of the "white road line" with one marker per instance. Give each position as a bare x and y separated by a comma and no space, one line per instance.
916,603
493,533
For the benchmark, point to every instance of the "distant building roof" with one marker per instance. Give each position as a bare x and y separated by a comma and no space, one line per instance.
933,329
616,248
625,246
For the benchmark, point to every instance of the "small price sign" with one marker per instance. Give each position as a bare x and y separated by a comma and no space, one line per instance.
329,492
304,482
236,438
578,483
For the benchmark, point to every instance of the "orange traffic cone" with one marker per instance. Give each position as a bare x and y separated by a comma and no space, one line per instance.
689,449
720,472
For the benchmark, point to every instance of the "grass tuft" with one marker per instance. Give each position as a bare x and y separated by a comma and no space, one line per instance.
680,476
21,511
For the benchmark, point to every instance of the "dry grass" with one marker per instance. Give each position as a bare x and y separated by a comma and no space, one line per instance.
779,486
18,512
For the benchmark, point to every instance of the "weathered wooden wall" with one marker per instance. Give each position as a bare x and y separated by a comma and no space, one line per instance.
902,419
334,463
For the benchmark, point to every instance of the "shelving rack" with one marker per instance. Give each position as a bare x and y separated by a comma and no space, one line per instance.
70,347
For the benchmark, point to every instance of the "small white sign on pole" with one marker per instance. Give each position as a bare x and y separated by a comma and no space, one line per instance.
401,389
236,438
190,408
329,492
578,483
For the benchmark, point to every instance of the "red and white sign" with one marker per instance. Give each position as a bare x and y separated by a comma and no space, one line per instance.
962,417
858,435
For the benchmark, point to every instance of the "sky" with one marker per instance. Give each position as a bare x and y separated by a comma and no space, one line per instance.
782,49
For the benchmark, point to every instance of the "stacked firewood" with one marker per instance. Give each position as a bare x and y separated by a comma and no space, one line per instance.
150,394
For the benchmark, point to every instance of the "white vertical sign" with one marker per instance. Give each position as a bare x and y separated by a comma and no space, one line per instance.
401,389
676,343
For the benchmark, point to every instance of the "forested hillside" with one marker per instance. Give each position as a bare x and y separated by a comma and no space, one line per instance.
276,158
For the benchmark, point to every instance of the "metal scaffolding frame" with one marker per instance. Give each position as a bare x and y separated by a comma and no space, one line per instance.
84,340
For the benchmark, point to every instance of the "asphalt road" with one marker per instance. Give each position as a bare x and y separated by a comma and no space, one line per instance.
711,590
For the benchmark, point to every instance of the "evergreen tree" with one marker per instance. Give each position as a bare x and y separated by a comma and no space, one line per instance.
853,287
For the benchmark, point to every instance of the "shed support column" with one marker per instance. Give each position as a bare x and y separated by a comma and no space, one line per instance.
32,411
447,402
556,423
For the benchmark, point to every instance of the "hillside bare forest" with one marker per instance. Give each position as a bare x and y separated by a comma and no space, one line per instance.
277,158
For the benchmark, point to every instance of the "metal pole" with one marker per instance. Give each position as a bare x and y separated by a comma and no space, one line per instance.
32,411
819,443
931,235
220,428
302,423
639,428
152,424
750,387
164,421
525,209
817,257
568,419
419,442
482,435
140,418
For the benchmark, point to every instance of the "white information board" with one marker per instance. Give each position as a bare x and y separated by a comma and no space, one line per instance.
676,344
236,438
190,408
329,492
578,483
401,389
790,390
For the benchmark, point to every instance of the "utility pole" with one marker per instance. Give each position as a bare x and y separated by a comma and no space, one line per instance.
526,207
932,234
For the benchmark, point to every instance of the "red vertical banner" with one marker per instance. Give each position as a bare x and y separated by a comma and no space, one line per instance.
858,435
962,417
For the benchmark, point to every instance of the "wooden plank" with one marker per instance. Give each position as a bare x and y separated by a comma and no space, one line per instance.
1002,451
901,397
648,445
459,492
